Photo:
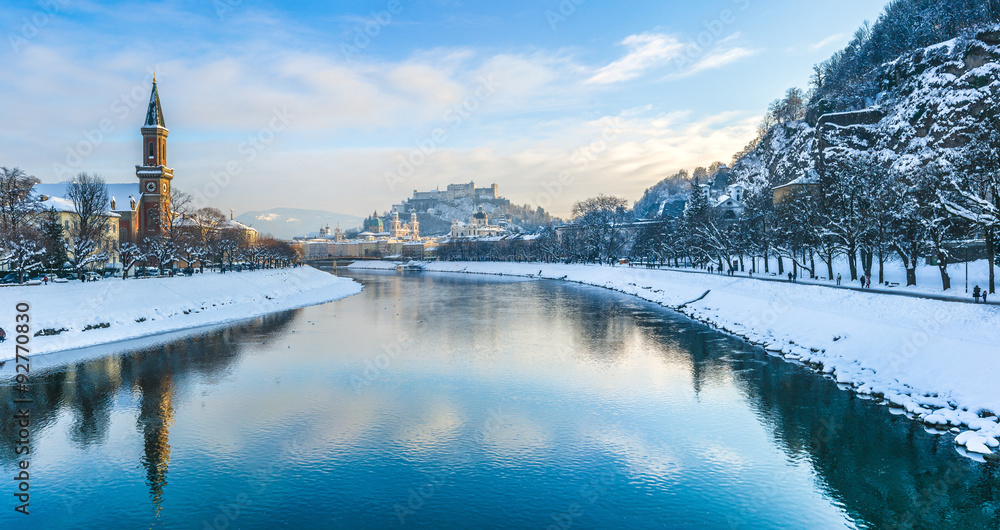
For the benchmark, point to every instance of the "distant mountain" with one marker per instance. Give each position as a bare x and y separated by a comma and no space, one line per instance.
286,223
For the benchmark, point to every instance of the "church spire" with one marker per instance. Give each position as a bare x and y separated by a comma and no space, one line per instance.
154,116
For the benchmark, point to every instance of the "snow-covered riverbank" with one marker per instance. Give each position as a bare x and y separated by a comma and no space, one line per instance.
937,361
116,310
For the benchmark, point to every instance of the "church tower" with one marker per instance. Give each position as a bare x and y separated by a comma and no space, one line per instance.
154,175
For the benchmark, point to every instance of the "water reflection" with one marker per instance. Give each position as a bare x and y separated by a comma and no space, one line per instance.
509,401
87,391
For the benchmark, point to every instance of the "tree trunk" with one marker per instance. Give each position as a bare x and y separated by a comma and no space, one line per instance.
881,268
767,264
852,260
866,261
943,267
781,266
829,265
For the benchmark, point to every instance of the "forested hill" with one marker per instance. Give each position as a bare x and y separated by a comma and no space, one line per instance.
933,106
844,82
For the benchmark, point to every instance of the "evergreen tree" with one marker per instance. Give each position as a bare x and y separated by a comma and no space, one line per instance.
54,240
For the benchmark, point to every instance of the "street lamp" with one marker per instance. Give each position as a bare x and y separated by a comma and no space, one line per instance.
966,247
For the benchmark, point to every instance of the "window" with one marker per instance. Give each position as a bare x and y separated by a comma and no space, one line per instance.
152,150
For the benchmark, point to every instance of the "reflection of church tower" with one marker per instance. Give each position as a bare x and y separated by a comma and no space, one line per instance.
156,414
154,175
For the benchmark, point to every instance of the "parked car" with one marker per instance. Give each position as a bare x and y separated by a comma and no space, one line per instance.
69,276
91,276
9,278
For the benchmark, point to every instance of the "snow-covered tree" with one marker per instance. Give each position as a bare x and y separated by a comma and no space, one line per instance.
130,254
18,206
162,249
602,220
91,241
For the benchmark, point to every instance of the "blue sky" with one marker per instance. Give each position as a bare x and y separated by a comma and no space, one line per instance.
349,106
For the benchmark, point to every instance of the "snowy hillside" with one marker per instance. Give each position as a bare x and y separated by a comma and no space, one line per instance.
929,104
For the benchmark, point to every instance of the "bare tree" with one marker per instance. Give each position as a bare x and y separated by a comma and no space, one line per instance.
89,233
603,220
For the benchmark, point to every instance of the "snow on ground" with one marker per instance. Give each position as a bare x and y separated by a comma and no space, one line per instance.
928,276
118,309
935,360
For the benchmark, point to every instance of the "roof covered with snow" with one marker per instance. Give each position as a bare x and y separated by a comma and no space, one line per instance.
119,191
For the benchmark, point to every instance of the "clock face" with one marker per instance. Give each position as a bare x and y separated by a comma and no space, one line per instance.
151,186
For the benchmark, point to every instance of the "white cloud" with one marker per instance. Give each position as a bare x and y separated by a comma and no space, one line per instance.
832,39
538,124
717,58
647,50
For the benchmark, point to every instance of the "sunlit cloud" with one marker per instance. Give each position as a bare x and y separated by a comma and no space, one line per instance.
646,51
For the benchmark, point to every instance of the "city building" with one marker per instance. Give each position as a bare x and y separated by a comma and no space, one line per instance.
477,226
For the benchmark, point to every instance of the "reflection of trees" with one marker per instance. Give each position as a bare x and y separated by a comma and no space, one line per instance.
884,468
87,390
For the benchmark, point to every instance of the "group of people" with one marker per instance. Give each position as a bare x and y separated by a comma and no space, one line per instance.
978,293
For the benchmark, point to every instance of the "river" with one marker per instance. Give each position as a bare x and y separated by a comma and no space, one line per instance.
462,401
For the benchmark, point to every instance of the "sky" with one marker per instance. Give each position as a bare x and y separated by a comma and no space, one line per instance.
350,106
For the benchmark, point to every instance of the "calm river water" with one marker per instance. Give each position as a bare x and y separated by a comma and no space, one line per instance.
457,401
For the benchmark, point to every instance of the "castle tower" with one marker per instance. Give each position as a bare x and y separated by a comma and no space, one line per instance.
153,174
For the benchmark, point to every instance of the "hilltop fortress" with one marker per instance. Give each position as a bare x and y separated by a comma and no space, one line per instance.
422,201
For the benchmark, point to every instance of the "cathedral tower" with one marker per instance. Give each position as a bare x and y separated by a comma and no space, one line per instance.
154,175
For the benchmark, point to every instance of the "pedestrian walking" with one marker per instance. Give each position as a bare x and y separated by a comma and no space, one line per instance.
984,296
976,293
838,279
3,335
868,285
